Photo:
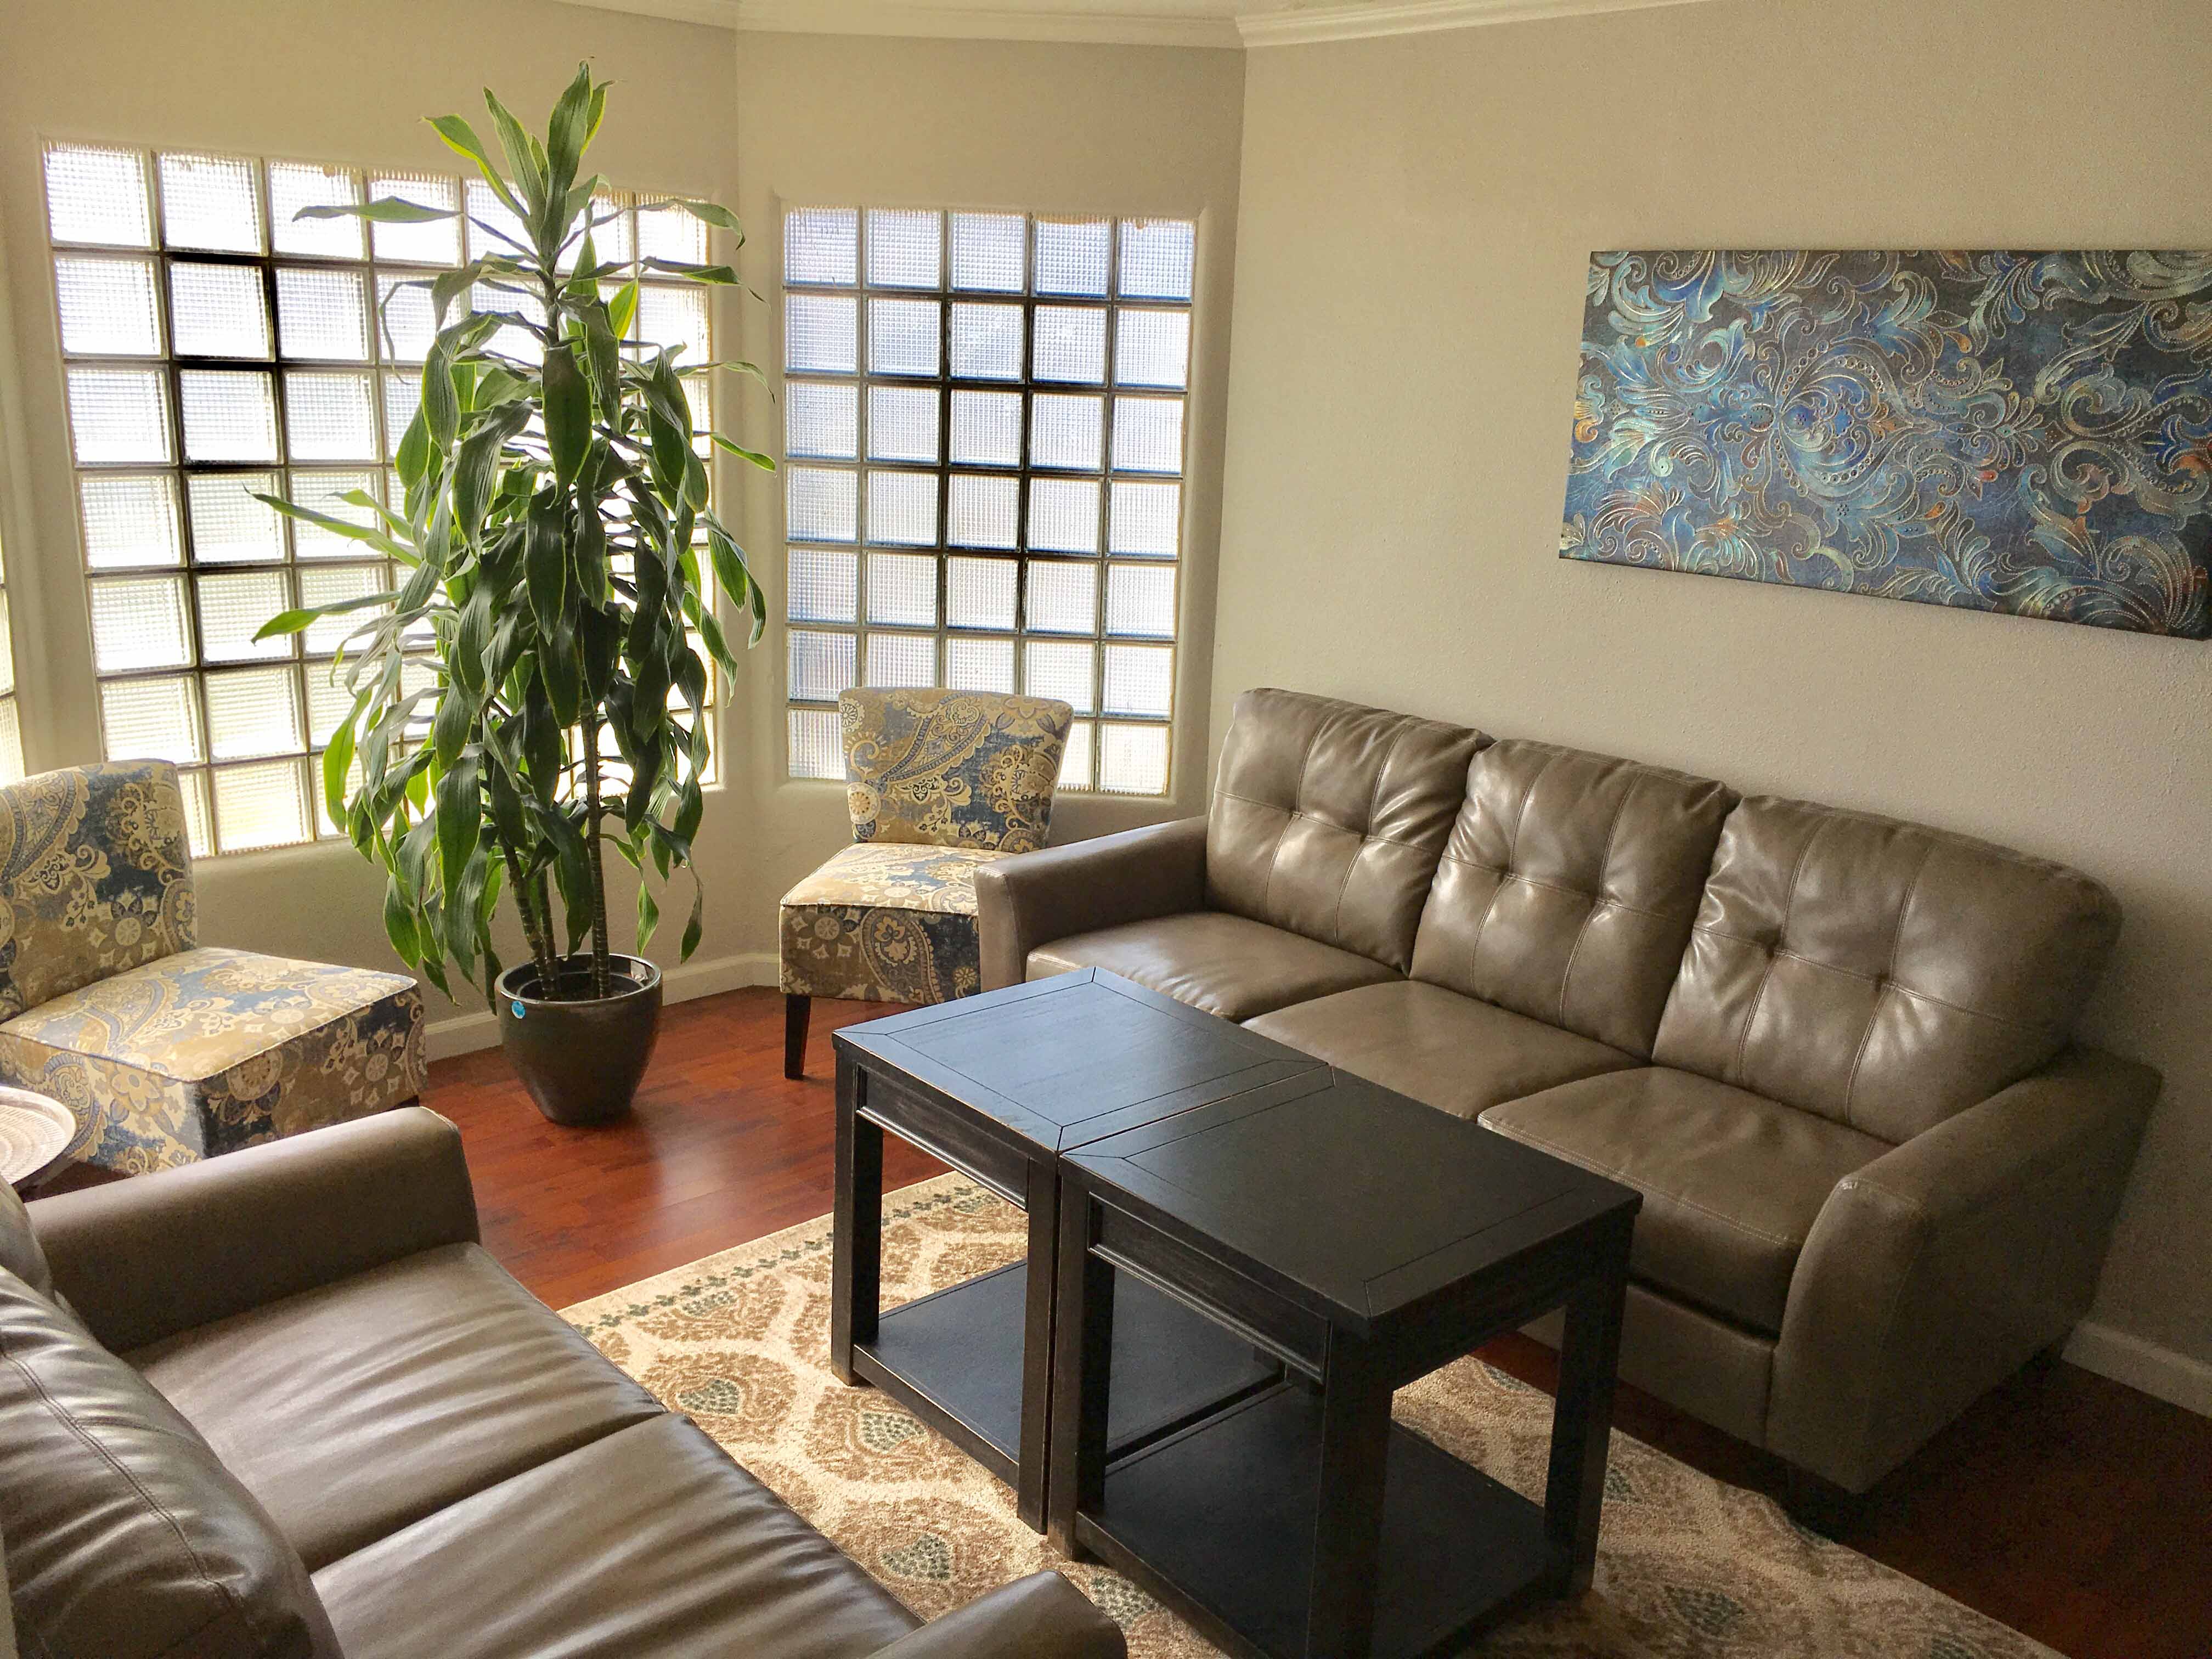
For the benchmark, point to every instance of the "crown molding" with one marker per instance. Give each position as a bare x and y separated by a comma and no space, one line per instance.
1286,23
939,22
1355,20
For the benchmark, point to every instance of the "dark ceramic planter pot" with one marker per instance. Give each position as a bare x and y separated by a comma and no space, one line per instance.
581,1059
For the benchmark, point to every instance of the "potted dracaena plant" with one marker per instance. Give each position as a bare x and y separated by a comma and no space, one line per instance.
529,693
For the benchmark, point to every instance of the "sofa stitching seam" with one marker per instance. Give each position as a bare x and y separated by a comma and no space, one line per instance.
1314,818
1352,863
1901,987
1296,811
1766,974
63,1416
1512,844
1597,901
1888,980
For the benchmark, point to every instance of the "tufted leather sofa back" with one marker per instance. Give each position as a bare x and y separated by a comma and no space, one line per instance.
1328,817
1883,975
1568,887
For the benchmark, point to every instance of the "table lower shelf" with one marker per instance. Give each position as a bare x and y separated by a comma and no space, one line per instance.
961,1351
1218,1521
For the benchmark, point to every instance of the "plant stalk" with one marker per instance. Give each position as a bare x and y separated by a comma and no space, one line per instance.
594,857
535,925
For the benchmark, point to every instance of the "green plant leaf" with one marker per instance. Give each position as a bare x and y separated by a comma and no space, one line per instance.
648,915
464,907
569,132
459,815
442,402
720,217
557,666
603,354
413,457
524,160
765,463
622,310
477,468
345,528
695,929
722,275
384,211
461,138
399,924
568,413
545,565
291,621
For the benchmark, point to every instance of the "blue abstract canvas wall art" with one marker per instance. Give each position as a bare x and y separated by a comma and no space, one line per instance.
2029,432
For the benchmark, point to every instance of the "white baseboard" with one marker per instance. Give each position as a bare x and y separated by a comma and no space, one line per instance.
2174,1377
464,1034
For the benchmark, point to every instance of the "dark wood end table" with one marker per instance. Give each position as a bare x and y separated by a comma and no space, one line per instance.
1364,1240
1000,1086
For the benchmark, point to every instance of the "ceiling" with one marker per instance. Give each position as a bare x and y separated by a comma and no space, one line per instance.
1227,23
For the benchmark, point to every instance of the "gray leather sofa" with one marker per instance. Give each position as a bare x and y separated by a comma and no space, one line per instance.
1832,1050
281,1405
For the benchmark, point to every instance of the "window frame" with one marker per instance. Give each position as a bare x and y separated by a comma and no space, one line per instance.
1086,771
384,360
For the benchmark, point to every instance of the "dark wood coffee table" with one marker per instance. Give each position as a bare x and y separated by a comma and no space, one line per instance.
1000,1086
1364,1239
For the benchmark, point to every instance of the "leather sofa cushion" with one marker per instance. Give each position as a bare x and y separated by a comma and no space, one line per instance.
1568,887
1883,975
650,1544
126,1538
1458,1055
1225,964
1731,1182
356,1409
1328,817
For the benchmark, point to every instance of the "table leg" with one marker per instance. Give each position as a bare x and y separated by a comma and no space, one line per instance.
1083,1358
857,1229
1355,1444
1043,1203
1582,1421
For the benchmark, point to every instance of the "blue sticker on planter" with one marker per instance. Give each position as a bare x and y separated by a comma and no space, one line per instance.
520,1013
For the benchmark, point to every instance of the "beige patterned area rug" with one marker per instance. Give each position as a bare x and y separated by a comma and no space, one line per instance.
1687,1565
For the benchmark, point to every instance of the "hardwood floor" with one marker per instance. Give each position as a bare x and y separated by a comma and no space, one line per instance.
2073,1509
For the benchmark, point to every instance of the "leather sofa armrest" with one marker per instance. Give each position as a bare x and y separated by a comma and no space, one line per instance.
144,1258
1034,898
1937,1270
1040,1617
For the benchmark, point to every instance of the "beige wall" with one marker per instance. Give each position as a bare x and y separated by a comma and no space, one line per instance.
1417,216
1072,129
341,81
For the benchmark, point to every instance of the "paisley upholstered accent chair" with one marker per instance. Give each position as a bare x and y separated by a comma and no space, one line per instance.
940,783
167,1050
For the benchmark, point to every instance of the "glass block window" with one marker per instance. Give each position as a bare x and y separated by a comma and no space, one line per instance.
214,347
984,420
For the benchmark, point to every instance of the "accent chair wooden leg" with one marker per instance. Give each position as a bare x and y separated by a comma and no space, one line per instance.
795,1011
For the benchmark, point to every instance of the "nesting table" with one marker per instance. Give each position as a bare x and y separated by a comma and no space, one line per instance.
1236,1253
999,1086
